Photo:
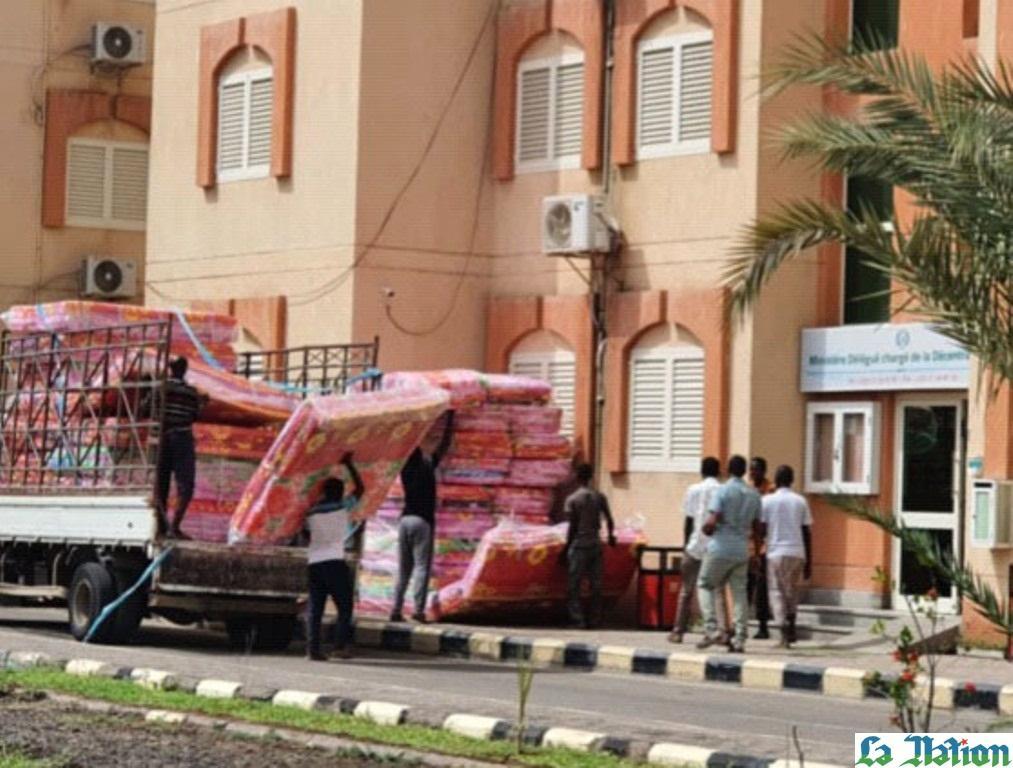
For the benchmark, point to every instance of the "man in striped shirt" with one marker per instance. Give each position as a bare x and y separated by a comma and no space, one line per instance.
178,457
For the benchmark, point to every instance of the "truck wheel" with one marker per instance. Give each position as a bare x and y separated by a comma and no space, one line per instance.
91,588
127,619
268,633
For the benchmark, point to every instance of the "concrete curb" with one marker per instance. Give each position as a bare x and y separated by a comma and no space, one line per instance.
388,713
757,674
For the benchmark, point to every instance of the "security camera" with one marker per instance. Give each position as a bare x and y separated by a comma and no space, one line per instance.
387,292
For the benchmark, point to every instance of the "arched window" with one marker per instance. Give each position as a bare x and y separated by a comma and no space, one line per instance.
675,66
245,109
550,107
666,396
107,177
544,355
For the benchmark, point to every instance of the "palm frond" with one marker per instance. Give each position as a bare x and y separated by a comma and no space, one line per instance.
947,140
942,564
769,243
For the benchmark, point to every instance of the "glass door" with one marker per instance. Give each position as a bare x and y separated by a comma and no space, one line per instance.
929,490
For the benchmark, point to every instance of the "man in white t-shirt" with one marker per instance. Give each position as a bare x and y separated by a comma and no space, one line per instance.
787,524
329,574
695,506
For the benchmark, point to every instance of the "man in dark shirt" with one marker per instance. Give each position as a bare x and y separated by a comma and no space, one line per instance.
584,509
418,524
178,456
756,586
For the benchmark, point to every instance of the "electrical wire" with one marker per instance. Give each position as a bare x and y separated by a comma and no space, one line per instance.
313,295
332,285
483,166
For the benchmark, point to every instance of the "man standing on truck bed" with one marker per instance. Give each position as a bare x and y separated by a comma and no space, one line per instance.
178,457
417,527
329,574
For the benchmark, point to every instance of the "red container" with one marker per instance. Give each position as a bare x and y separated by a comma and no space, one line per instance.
658,585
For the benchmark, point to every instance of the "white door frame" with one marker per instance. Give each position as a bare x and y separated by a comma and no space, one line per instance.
930,520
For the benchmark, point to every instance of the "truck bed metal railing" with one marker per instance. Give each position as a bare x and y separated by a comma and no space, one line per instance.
81,411
325,369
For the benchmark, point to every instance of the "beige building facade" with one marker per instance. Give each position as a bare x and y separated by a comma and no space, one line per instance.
331,170
75,139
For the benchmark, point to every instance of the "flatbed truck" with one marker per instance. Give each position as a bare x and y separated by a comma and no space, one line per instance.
80,415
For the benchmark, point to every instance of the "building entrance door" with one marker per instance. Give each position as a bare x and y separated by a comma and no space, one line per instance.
931,437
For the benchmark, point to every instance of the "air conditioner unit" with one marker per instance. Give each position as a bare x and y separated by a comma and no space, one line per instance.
105,277
117,44
574,224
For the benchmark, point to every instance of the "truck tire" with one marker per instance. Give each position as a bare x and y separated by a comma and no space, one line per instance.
91,588
127,619
263,633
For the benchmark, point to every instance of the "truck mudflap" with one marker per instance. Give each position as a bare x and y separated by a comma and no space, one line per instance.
195,567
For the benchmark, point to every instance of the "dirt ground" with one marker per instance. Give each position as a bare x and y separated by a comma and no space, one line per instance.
72,737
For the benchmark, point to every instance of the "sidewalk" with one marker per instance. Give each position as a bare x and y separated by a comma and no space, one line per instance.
808,666
981,666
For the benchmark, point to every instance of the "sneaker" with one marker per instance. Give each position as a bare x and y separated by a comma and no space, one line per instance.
419,618
396,617
675,637
707,642
762,634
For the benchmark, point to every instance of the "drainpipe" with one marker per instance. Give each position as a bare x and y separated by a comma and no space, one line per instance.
600,265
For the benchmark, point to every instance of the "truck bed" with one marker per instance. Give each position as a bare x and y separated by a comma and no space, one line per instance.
207,568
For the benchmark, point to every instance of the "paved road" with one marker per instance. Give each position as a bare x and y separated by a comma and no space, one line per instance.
707,714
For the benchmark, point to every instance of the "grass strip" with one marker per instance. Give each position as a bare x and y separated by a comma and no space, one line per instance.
331,723
19,760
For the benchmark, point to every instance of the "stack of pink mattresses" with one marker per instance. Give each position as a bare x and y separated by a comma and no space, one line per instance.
506,463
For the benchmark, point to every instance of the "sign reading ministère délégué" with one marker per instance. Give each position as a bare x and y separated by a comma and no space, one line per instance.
865,358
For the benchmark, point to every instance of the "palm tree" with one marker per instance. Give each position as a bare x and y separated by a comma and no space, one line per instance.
946,139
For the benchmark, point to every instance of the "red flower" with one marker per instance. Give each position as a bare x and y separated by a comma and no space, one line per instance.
907,676
898,656
970,687
913,657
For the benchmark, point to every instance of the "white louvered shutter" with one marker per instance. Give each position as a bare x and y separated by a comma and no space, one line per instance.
231,125
129,184
666,410
562,375
685,438
86,181
656,97
261,109
534,114
107,184
674,85
559,370
695,84
569,110
648,410
528,366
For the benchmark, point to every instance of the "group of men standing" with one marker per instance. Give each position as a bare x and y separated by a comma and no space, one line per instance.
755,539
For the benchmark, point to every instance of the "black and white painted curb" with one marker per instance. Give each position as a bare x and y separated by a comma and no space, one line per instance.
392,714
757,674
